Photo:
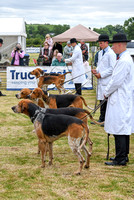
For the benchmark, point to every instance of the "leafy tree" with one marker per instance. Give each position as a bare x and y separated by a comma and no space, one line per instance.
110,30
129,28
37,32
119,28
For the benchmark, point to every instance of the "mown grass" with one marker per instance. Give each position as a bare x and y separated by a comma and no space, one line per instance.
21,175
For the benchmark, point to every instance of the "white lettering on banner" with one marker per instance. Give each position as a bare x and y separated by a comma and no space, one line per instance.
20,77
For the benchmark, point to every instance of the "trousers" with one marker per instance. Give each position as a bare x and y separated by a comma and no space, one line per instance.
121,147
78,88
102,111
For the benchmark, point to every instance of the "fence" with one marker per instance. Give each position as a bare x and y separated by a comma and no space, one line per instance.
20,75
3,79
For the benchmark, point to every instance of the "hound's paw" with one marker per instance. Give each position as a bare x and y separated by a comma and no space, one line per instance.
86,166
77,173
50,163
43,166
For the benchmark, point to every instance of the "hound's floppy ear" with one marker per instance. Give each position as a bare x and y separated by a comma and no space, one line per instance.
41,71
23,107
40,92
36,74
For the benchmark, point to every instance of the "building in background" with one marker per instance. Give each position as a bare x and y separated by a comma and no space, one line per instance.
12,31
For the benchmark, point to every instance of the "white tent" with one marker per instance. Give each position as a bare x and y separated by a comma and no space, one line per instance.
12,31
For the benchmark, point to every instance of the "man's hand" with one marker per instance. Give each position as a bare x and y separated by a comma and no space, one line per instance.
98,75
105,97
94,71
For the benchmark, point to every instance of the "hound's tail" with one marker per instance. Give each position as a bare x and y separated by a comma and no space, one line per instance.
86,135
66,73
91,117
86,103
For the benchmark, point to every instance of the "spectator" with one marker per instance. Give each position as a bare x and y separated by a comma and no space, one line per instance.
77,66
84,49
55,54
45,55
17,54
119,92
59,61
104,70
68,50
49,40
58,45
1,43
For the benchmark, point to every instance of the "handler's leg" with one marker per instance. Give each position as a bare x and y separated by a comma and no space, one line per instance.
120,149
102,111
78,88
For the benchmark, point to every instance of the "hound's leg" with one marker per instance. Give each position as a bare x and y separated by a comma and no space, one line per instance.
90,145
46,148
50,153
74,144
58,87
87,156
38,147
42,146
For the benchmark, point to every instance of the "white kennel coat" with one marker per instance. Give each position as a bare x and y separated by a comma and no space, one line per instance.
77,65
105,67
118,119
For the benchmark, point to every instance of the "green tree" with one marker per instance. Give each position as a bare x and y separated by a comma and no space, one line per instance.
129,28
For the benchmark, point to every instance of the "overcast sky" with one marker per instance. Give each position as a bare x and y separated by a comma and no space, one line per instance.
90,13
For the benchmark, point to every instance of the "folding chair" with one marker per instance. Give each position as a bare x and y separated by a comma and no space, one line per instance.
35,62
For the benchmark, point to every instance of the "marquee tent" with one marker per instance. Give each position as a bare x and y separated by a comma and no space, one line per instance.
79,32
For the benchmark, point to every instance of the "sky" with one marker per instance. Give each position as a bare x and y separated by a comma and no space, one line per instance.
90,13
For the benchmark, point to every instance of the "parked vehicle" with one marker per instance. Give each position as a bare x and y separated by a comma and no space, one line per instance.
130,48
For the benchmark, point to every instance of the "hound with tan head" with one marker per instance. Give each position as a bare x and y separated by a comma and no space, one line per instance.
45,79
50,127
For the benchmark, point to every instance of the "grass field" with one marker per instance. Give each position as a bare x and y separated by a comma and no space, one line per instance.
21,175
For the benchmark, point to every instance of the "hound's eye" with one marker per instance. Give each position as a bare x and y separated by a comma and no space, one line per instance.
33,92
22,93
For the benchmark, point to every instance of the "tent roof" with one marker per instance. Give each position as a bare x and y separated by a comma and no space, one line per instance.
12,27
79,32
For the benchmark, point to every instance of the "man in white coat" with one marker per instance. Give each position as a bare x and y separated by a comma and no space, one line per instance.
119,91
104,70
77,66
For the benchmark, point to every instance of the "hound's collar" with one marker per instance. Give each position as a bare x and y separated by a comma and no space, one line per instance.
37,114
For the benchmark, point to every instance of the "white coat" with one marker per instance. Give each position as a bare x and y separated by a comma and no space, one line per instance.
77,65
105,67
118,118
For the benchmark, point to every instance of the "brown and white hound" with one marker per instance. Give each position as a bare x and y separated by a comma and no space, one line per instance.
51,127
57,101
23,93
45,79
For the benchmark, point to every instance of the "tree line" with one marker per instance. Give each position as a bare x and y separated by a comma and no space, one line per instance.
36,32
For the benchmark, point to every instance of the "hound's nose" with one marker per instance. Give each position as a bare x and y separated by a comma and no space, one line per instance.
13,108
28,96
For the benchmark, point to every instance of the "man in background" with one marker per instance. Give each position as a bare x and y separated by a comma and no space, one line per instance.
84,49
68,50
77,66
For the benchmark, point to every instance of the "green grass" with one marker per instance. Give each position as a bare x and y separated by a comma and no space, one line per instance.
21,175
